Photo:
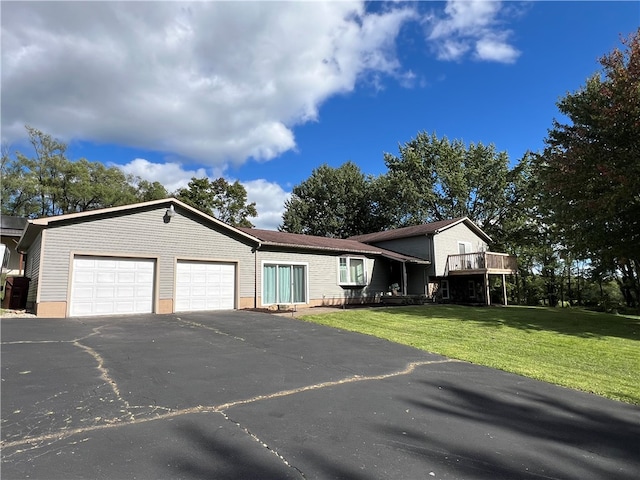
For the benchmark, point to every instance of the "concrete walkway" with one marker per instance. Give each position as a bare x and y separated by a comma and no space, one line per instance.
237,395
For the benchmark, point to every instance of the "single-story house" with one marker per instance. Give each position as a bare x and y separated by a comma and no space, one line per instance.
164,256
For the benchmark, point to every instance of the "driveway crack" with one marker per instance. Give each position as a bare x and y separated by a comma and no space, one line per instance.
106,376
60,435
265,445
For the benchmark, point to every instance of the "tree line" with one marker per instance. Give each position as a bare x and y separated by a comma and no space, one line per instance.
571,213
48,183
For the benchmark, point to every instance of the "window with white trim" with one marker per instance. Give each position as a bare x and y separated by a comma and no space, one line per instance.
284,283
352,271
464,247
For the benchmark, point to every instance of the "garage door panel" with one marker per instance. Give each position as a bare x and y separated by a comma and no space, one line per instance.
125,292
103,286
84,263
205,286
105,292
126,277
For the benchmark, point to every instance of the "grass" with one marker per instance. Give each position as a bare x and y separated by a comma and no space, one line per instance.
589,351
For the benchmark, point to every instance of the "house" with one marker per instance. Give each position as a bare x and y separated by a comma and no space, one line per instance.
164,256
460,263
11,229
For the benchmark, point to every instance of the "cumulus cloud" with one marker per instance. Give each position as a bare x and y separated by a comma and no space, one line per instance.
216,82
268,196
471,26
171,175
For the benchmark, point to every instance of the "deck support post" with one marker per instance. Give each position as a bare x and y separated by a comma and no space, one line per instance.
504,289
487,295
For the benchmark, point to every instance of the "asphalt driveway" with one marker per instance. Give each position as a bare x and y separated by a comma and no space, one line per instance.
243,395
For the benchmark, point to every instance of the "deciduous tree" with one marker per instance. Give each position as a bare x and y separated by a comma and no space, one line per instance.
590,169
220,199
436,179
332,202
47,183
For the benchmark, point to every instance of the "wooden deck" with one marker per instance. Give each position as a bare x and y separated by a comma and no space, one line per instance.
482,263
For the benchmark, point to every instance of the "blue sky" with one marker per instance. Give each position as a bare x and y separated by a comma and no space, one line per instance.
265,92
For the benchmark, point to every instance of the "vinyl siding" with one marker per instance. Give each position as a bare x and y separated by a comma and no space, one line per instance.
323,275
419,247
32,270
142,234
446,243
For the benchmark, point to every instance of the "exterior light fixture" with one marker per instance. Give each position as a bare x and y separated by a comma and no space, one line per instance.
170,212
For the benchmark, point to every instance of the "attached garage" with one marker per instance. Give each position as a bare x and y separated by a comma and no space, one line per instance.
161,256
205,286
111,286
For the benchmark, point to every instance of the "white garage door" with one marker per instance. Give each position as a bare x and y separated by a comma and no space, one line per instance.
205,286
108,286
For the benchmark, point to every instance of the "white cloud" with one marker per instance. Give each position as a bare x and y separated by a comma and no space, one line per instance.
217,82
171,175
471,25
269,196
496,49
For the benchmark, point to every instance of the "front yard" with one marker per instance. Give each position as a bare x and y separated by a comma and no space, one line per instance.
575,348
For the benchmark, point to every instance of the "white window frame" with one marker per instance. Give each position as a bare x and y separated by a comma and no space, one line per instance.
348,259
278,263
444,287
467,247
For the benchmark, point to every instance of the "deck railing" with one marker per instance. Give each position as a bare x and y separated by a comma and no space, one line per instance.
482,261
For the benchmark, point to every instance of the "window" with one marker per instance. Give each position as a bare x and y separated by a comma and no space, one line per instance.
351,271
464,247
444,288
284,283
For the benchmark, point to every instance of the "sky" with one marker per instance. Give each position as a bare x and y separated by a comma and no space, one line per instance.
265,92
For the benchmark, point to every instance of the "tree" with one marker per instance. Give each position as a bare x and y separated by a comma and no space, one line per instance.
590,169
332,202
19,189
48,183
436,179
218,198
148,191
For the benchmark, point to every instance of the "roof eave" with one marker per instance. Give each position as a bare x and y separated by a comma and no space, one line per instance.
38,224
312,247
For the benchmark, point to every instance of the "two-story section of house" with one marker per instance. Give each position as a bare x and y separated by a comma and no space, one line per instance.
460,267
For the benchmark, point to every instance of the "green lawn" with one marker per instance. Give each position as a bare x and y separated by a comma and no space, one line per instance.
589,351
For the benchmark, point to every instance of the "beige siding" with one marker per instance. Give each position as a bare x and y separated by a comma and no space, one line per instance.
141,234
446,243
322,276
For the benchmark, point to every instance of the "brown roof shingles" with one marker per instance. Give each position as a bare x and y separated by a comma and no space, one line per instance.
414,231
311,242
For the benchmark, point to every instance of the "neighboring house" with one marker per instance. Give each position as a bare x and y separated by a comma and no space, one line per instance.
11,229
460,264
164,256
